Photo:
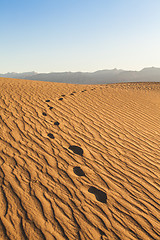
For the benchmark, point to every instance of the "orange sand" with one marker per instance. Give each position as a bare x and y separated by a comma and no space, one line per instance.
86,166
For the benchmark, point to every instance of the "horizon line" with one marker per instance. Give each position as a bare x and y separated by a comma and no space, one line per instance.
106,69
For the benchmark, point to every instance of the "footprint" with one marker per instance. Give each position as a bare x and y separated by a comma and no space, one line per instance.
50,108
76,150
47,100
56,123
50,135
71,94
44,114
63,95
101,232
100,195
60,99
78,171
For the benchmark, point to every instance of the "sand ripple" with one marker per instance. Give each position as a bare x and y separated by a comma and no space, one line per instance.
79,162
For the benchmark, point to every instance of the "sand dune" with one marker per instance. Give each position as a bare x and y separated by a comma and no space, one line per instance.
78,161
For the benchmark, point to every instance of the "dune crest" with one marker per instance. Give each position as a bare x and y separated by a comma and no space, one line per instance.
79,161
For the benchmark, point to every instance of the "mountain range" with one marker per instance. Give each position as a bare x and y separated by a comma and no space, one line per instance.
150,74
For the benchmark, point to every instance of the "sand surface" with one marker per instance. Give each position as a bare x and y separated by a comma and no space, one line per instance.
78,161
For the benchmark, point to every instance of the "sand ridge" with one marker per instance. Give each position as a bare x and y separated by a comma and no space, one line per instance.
79,161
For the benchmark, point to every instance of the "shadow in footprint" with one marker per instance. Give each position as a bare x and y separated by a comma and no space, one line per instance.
63,95
100,195
56,123
47,100
76,150
44,114
71,94
60,99
78,171
50,135
101,232
50,108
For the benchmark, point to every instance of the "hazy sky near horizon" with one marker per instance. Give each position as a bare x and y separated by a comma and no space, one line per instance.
78,35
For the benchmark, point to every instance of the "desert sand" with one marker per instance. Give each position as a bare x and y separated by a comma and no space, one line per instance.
79,161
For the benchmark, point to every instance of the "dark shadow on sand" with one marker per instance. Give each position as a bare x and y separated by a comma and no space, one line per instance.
50,135
56,123
78,171
76,150
100,195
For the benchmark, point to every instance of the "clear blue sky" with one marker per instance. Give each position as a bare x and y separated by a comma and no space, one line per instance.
78,35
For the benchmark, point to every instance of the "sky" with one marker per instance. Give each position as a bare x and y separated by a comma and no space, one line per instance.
79,35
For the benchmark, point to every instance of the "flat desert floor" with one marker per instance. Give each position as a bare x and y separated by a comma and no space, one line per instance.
79,161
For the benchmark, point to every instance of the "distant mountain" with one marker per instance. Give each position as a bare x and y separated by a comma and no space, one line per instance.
150,74
18,75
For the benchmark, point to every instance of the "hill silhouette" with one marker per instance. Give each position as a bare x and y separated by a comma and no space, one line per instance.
150,74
